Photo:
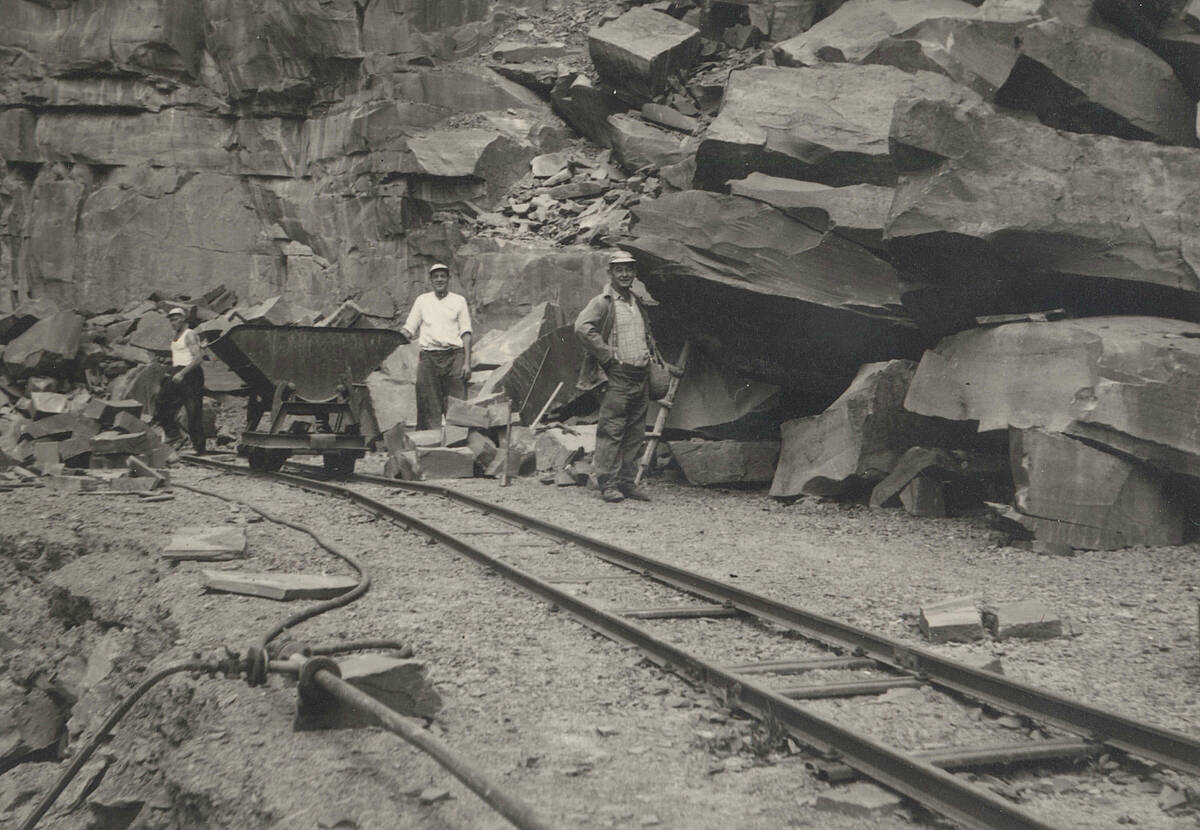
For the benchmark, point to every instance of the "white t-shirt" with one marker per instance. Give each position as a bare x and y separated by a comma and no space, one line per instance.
184,348
440,324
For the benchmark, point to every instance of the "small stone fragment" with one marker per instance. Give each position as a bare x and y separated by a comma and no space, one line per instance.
952,621
206,543
1028,619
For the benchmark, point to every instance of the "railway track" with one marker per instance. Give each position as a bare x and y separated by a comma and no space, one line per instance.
650,604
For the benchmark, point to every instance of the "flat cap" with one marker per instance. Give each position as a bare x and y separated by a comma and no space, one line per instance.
621,256
178,311
437,266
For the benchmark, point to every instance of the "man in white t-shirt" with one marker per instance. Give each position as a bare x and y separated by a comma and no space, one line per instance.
441,323
184,386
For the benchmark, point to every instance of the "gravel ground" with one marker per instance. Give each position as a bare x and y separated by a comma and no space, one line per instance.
580,727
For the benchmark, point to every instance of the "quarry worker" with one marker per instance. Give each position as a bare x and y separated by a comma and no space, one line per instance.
615,333
184,386
441,323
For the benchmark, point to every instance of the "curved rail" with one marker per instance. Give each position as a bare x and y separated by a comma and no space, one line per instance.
936,789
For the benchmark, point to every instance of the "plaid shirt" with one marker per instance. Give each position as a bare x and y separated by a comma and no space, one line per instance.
629,334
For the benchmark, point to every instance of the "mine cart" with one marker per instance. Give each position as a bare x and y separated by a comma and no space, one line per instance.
309,381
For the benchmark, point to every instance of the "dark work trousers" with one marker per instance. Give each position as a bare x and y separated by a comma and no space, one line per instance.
621,427
439,376
190,395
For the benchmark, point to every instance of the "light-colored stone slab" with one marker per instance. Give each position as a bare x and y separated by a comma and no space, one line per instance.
280,586
206,543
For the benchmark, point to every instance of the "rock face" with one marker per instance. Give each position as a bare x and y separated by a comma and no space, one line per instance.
773,298
639,50
826,123
284,148
1006,215
1124,383
858,439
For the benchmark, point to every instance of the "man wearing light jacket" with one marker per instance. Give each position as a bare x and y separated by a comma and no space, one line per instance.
615,333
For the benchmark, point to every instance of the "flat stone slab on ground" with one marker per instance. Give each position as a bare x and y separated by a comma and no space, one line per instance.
858,799
280,586
206,543
952,621
402,685
1027,619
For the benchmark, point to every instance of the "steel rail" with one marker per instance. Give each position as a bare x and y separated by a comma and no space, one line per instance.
967,805
1173,749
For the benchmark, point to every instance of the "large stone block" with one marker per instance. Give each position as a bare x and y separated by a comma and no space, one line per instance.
641,49
1126,383
776,299
708,463
1084,497
47,347
826,123
858,439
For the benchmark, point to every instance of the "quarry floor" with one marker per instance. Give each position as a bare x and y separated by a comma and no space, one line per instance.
582,728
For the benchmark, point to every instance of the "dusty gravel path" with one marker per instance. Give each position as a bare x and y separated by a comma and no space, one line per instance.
575,724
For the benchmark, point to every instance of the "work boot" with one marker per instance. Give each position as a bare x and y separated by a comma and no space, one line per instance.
612,494
632,491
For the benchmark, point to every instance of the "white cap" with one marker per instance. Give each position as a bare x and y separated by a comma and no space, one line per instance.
621,256
437,266
177,310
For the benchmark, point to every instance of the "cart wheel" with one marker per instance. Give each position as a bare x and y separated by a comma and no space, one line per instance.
263,460
339,464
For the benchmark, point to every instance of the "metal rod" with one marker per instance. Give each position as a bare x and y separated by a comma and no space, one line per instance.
412,730
660,420
507,444
682,612
549,401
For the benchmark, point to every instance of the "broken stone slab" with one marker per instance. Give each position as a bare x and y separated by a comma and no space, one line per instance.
1082,496
206,543
513,51
586,107
913,463
712,463
112,442
522,461
640,50
638,144
393,401
826,123
853,32
278,586
30,723
557,446
858,439
1028,619
952,621
1126,383
470,414
153,333
924,496
1088,79
140,384
22,318
1178,44
548,164
669,117
276,311
445,462
497,347
61,426
69,483
401,685
46,348
860,799
821,306
483,448
48,403
1093,237
534,375
857,212
134,484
